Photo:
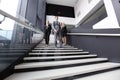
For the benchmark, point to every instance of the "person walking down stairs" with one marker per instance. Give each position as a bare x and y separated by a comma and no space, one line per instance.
47,32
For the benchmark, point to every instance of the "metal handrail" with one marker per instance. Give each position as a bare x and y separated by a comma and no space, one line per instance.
21,22
93,34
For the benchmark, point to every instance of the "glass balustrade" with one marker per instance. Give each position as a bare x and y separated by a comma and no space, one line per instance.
17,37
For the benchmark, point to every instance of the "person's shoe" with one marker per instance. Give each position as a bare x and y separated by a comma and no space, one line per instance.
46,45
64,44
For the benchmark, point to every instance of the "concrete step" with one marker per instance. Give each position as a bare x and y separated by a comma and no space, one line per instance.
73,53
63,72
57,50
52,46
108,75
58,63
59,57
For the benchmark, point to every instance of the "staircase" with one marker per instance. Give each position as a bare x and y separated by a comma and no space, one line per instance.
67,63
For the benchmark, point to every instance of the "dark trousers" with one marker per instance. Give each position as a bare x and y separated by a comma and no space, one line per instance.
47,37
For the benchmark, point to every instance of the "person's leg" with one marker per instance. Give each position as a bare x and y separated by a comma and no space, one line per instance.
60,39
48,38
65,40
55,36
45,38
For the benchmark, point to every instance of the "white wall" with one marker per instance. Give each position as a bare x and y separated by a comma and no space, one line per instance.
66,20
111,20
86,9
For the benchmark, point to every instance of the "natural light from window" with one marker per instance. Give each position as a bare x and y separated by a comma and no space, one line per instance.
9,6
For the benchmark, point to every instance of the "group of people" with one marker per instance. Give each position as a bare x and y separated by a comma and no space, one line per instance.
58,29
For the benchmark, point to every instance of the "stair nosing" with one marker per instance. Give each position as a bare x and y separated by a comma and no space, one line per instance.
57,57
68,62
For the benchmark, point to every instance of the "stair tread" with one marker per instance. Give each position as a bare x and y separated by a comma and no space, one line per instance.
59,53
57,57
110,75
57,63
57,50
63,72
54,48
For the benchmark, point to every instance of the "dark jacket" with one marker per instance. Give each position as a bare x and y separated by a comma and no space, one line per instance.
64,31
48,29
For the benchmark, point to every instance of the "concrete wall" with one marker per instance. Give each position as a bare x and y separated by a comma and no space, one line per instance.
111,20
31,11
84,9
41,14
103,46
116,5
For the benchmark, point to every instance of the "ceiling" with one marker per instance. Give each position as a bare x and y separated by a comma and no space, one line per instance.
70,3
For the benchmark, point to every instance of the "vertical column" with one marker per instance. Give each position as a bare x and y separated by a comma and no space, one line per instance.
18,31
41,13
116,5
31,11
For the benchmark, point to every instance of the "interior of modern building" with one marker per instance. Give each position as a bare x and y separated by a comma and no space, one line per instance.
92,51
